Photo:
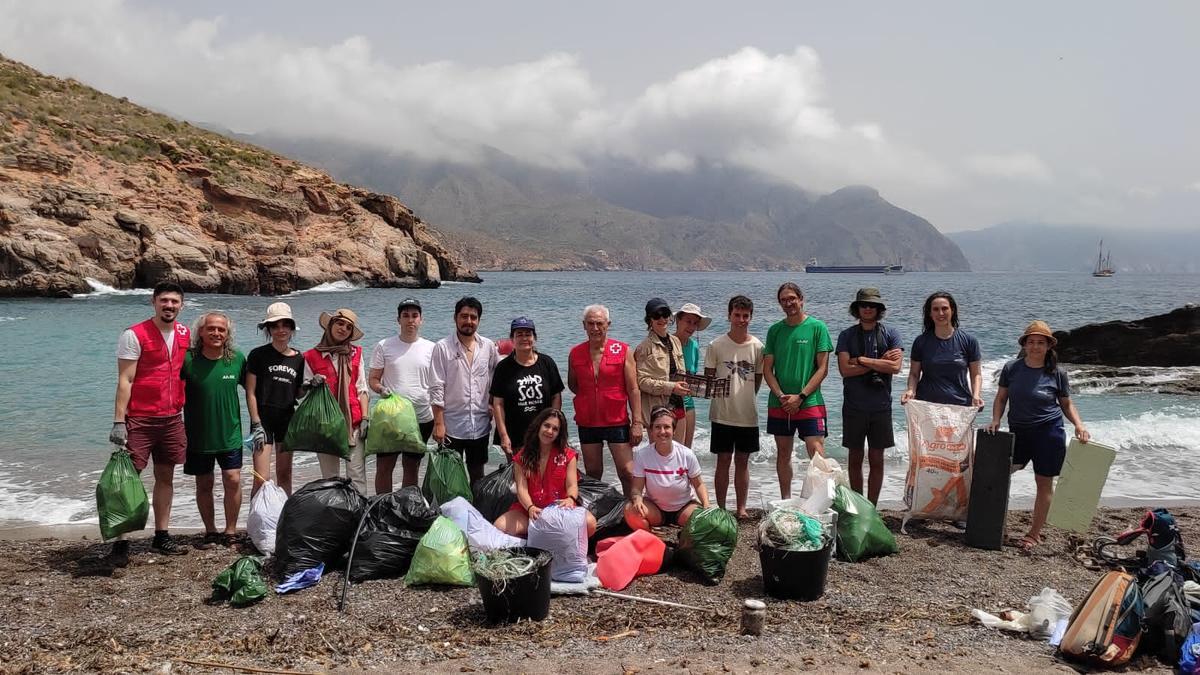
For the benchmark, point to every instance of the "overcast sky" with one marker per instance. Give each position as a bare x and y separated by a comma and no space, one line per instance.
968,114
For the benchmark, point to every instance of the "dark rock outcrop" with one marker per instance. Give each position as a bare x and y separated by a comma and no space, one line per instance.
1171,339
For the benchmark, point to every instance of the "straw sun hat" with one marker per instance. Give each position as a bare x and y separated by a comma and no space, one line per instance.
346,314
1038,328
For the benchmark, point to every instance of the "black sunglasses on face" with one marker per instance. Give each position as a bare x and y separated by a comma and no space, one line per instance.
661,314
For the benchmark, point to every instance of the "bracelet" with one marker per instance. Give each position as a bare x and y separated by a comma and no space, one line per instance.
574,498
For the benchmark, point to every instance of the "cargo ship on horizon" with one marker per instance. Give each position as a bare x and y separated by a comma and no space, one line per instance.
813,267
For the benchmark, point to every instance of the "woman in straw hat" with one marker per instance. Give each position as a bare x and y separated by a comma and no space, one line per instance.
338,361
1038,395
688,320
274,373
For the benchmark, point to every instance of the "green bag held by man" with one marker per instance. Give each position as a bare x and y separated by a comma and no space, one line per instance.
861,532
707,542
445,477
120,497
394,427
442,557
318,425
241,583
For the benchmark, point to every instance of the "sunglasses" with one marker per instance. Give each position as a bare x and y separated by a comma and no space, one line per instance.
661,314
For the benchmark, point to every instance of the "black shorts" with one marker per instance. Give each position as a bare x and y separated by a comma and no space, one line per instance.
672,517
872,428
275,423
426,431
473,450
727,438
593,435
1045,444
197,464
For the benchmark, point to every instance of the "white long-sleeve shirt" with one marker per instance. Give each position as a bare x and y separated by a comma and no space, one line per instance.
461,390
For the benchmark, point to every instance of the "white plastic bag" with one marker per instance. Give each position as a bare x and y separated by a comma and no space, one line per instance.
481,535
562,532
1046,610
941,446
265,508
820,484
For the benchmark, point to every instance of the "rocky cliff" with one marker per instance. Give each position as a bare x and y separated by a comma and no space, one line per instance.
96,187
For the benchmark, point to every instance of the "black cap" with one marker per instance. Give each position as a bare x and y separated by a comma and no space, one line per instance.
409,302
656,305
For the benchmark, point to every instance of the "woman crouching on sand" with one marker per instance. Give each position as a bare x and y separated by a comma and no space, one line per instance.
546,473
1040,396
667,472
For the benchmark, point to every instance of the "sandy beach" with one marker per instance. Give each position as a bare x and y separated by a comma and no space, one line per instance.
904,613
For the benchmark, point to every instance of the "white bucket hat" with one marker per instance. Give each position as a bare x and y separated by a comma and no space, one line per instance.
692,308
277,311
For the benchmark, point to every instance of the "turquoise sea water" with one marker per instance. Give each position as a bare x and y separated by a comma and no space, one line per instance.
58,363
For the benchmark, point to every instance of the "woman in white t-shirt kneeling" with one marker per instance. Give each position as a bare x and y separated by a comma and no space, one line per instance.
667,473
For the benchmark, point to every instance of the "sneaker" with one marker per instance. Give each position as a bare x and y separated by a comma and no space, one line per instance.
210,540
167,546
119,556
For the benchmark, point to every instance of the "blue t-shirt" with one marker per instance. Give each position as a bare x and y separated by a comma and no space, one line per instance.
691,361
1033,393
944,366
858,393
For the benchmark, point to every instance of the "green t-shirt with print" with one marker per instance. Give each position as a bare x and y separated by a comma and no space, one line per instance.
212,413
795,350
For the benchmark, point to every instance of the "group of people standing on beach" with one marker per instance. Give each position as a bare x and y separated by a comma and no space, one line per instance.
177,401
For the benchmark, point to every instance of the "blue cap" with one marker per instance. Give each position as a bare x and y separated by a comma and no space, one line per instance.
522,322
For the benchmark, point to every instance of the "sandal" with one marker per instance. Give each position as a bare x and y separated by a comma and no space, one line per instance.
1026,543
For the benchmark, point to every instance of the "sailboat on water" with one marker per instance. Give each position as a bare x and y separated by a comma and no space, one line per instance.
1104,266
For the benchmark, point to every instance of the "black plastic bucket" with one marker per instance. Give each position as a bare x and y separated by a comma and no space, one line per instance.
794,575
526,597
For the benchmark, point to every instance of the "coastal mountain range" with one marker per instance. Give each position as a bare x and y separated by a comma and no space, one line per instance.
1022,246
613,213
94,187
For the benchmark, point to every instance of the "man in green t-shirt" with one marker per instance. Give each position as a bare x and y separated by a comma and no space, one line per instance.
795,362
212,372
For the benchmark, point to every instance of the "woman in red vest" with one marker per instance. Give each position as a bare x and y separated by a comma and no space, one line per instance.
339,361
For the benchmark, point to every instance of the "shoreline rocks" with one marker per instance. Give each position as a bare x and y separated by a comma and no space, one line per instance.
1171,339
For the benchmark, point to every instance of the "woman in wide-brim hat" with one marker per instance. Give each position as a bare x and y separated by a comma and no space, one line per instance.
274,375
339,361
1038,396
689,320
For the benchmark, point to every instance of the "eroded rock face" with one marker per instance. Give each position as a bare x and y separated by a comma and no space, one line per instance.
91,198
1171,339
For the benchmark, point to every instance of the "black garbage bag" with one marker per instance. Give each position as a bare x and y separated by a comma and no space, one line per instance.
317,525
605,502
495,493
393,525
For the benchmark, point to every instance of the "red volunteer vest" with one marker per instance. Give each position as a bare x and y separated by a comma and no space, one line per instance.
325,367
601,400
157,390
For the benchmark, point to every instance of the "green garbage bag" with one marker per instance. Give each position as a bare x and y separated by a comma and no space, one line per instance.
120,497
318,425
394,427
445,477
241,583
707,542
442,557
861,532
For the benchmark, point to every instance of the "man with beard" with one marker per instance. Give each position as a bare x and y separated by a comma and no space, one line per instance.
147,416
461,375
212,372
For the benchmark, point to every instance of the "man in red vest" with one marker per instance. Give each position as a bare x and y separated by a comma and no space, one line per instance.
148,419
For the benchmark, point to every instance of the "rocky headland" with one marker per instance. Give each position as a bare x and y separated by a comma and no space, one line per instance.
96,187
1158,353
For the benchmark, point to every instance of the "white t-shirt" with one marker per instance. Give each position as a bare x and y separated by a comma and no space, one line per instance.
406,370
740,363
668,479
129,349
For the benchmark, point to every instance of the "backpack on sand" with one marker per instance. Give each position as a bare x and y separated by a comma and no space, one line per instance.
1106,626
